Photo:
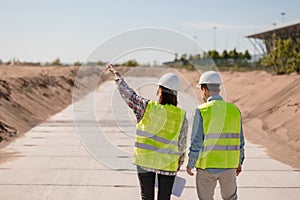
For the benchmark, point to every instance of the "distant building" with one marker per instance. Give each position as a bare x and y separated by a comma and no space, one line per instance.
262,41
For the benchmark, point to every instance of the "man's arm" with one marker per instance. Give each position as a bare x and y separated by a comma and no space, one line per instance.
196,142
242,154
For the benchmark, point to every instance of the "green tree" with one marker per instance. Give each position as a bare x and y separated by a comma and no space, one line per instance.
77,63
225,55
56,62
1,62
195,57
100,63
184,56
131,63
8,62
214,54
240,55
247,55
233,54
284,57
205,55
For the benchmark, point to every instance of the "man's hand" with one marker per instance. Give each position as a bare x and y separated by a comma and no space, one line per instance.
238,170
189,171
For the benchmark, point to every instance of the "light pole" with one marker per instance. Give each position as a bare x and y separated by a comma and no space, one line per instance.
282,14
214,37
195,39
274,25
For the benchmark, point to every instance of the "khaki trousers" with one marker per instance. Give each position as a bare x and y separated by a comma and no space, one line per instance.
206,183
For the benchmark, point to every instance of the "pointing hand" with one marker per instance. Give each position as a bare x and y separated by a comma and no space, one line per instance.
112,70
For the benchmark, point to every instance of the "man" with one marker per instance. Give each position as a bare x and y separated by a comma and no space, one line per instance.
217,143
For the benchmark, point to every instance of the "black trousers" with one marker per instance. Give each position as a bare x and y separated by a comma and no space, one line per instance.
147,183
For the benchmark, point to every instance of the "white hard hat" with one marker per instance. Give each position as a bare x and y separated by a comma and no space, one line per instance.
210,77
170,81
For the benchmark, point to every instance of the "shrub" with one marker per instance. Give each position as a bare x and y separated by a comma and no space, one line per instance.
130,63
283,58
56,62
77,63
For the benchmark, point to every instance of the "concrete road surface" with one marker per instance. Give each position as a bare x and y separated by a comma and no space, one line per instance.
84,152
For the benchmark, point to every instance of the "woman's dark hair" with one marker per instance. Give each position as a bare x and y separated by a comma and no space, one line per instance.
210,87
167,96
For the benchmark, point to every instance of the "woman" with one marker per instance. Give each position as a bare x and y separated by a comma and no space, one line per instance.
160,136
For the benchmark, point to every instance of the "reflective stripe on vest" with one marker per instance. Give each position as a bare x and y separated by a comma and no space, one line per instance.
219,147
222,127
152,148
157,135
223,135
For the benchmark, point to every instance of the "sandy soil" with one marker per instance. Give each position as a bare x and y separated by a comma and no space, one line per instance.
30,95
270,105
27,95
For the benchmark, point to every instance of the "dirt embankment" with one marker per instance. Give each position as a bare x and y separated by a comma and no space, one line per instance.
270,105
30,95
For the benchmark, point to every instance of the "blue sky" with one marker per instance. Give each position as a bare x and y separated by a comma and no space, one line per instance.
36,30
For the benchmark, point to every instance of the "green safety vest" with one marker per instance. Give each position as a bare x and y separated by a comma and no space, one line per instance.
222,128
156,144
